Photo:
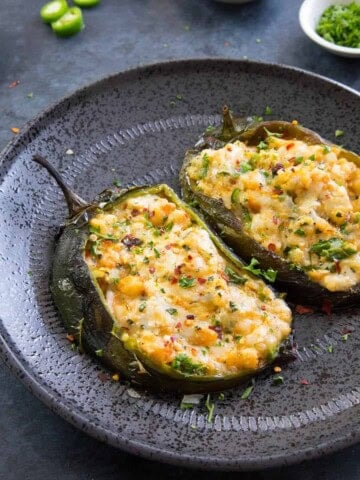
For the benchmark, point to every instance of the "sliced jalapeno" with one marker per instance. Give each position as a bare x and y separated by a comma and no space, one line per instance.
52,11
70,23
86,3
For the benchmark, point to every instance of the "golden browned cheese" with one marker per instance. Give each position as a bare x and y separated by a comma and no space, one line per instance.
300,201
175,297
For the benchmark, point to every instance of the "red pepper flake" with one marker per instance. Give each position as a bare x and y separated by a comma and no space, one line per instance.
152,270
272,247
190,317
201,281
135,212
224,277
178,325
173,338
278,191
169,245
303,381
289,146
173,280
303,310
275,220
326,306
177,270
15,130
263,308
14,84
337,266
229,148
70,337
276,168
190,257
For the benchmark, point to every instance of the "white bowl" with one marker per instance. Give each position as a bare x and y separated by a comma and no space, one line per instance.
309,15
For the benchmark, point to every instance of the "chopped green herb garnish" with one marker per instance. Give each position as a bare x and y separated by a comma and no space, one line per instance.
339,24
233,306
345,337
268,110
332,249
234,277
172,311
142,306
272,134
299,160
300,232
247,392
169,226
157,253
278,380
235,195
257,119
146,260
117,183
210,407
339,133
246,167
330,349
209,129
99,353
312,158
268,274
30,95
262,146
187,366
187,282
326,149
186,247
204,166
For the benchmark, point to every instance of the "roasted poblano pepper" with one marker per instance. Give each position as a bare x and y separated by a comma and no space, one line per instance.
142,283
281,195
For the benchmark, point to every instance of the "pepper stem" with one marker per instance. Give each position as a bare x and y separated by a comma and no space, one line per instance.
228,124
74,202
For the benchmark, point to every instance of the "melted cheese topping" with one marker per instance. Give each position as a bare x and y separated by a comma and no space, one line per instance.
175,298
300,201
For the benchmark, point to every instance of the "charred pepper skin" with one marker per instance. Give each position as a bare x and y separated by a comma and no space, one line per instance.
82,305
231,226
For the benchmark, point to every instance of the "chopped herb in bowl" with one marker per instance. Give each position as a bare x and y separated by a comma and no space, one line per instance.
340,24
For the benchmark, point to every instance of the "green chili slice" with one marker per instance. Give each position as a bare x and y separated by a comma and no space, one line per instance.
70,23
52,11
86,3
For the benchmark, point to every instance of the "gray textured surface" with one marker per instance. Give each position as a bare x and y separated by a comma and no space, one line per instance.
35,443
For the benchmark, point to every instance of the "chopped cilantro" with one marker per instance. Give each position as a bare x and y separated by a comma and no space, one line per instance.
172,311
278,380
235,195
169,226
300,232
233,306
204,166
272,134
262,146
332,249
330,349
234,277
99,353
312,158
299,160
268,110
187,366
246,167
210,407
157,253
142,306
247,392
187,282
339,24
117,183
269,274
339,133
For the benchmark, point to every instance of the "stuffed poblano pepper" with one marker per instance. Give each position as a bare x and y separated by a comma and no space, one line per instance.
141,282
283,198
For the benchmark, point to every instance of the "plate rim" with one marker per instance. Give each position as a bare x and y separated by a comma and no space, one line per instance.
59,406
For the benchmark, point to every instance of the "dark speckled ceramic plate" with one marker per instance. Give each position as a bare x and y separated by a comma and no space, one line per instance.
135,126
